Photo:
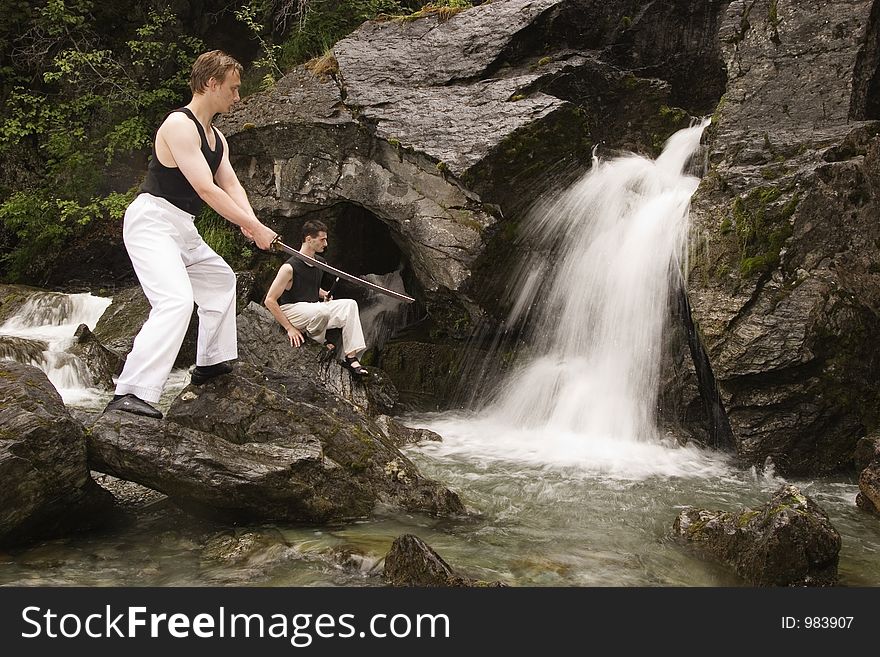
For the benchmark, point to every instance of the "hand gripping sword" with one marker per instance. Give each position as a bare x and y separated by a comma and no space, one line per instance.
278,245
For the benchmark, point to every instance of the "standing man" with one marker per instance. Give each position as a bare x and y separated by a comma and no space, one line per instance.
190,166
300,304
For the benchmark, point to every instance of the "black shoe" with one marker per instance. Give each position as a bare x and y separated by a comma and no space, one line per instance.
133,404
204,373
352,364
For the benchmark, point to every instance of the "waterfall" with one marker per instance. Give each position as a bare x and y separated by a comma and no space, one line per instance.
382,315
43,330
595,292
591,298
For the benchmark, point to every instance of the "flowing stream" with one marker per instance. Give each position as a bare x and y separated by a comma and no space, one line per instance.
568,477
41,334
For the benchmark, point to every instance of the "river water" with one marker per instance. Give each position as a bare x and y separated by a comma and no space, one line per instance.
566,476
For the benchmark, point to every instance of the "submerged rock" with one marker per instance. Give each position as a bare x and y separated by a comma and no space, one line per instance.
789,541
47,489
412,562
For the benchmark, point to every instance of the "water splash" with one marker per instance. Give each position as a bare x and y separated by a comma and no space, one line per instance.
41,333
382,315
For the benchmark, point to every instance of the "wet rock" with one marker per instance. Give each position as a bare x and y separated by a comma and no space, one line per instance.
23,350
218,479
867,450
401,435
412,562
259,405
868,497
789,541
305,371
246,547
867,460
12,298
426,374
100,362
47,490
784,281
239,448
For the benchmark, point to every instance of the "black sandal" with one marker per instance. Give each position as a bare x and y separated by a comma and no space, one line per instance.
329,352
353,364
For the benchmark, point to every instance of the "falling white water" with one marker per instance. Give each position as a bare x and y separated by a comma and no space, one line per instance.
595,291
43,330
381,314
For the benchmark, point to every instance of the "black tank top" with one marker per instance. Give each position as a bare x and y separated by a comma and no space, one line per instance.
306,282
169,183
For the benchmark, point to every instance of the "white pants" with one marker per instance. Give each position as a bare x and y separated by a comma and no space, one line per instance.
175,268
316,318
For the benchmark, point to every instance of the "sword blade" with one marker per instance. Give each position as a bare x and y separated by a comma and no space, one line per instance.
323,266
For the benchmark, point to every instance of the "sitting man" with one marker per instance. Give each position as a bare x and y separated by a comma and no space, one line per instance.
300,304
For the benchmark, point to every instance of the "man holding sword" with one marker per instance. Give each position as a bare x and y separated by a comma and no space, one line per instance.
190,166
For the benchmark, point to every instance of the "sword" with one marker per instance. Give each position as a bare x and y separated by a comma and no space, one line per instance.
278,245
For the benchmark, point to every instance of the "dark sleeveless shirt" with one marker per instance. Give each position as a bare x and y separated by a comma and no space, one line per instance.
169,183
306,282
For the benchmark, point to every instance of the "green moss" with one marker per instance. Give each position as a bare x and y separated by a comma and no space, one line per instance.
544,61
762,227
716,115
746,517
630,81
625,23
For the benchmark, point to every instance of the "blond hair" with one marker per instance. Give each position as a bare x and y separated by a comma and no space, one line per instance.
212,64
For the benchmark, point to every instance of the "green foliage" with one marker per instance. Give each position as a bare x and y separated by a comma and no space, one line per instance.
225,238
327,21
41,224
77,97
271,53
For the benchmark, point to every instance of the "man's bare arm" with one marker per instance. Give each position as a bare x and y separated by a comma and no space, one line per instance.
283,281
179,137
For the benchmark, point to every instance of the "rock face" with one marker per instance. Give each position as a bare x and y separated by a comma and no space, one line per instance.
307,377
785,284
445,131
412,562
47,489
248,446
100,362
867,460
787,542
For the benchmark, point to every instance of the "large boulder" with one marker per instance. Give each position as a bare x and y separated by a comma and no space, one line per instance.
247,447
785,278
867,460
445,131
309,375
47,489
789,541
